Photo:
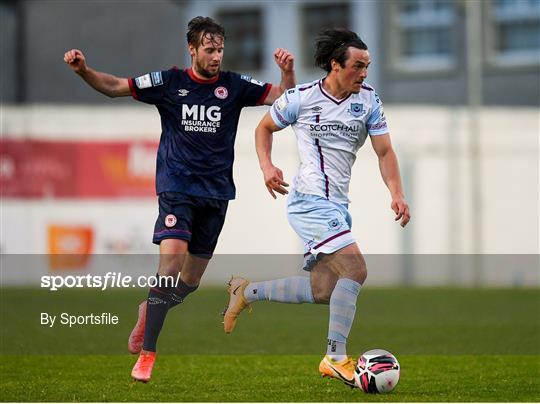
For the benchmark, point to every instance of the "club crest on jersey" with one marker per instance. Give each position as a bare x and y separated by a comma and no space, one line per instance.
221,92
170,220
357,110
334,224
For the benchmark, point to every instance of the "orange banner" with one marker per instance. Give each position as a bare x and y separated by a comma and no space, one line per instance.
69,247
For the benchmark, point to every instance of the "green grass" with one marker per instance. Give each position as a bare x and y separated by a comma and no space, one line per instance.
262,378
453,345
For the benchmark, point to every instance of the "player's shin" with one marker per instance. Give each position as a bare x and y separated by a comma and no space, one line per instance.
294,289
180,292
159,298
342,311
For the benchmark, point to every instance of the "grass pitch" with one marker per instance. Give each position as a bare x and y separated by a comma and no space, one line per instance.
452,344
263,378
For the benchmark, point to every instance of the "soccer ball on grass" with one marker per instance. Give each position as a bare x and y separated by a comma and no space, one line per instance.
377,371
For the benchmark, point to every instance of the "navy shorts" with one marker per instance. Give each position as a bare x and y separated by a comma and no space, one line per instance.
197,220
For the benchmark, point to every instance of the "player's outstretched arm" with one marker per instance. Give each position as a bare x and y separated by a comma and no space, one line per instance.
273,176
107,84
388,164
285,61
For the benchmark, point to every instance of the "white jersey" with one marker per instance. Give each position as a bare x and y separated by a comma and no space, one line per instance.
329,133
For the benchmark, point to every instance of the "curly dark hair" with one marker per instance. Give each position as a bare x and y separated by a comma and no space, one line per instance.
333,44
200,27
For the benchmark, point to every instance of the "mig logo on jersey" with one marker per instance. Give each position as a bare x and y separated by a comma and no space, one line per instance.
200,118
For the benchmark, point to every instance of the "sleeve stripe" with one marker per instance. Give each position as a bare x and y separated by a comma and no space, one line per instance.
132,88
264,95
278,119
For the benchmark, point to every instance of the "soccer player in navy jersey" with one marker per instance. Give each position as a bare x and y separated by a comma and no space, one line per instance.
199,108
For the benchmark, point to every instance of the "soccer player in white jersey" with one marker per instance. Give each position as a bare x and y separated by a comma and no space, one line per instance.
331,118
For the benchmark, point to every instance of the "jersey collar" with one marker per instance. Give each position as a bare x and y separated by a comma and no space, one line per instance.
330,96
201,81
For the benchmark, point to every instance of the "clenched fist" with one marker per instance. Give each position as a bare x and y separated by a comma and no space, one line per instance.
284,59
75,60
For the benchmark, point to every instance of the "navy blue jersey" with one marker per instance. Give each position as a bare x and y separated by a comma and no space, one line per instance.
199,119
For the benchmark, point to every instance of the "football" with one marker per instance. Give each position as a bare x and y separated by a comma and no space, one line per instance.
377,371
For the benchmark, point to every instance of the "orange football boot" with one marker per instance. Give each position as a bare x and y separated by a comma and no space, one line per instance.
142,371
237,303
342,370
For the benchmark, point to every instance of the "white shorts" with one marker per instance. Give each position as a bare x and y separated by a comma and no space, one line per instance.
323,225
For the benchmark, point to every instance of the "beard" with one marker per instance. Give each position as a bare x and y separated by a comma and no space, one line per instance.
206,73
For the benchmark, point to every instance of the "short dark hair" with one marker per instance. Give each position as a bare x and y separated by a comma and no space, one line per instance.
333,44
202,26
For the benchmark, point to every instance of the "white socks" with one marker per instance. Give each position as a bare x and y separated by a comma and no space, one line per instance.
295,289
342,311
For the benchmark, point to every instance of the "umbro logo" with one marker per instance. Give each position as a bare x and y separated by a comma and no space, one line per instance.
155,300
316,108
183,92
176,298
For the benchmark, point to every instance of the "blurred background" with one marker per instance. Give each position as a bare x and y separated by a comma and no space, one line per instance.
460,81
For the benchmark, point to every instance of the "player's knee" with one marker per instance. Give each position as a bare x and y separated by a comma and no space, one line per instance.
168,270
170,264
322,297
321,294
362,273
357,272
